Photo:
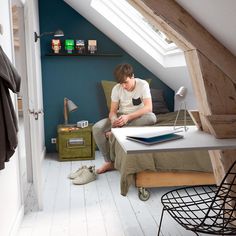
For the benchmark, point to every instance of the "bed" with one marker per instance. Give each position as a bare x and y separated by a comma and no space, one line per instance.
161,169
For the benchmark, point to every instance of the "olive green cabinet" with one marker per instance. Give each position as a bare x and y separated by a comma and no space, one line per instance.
74,143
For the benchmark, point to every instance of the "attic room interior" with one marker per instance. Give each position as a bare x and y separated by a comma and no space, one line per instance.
170,44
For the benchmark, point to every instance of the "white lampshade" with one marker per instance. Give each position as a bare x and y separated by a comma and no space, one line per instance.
181,93
69,106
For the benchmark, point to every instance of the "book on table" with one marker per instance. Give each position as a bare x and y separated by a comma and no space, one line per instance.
153,138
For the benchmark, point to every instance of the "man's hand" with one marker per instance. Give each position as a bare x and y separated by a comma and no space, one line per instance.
120,121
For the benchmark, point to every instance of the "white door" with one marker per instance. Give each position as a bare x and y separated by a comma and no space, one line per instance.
35,103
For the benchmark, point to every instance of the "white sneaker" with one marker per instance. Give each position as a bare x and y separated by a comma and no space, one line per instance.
77,172
86,176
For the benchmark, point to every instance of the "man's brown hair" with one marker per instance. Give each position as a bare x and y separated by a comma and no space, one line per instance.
123,71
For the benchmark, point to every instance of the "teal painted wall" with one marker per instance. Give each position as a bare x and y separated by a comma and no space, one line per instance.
78,78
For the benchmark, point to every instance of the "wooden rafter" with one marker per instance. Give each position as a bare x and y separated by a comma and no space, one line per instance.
212,68
183,29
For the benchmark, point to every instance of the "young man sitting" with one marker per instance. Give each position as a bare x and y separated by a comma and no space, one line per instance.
131,105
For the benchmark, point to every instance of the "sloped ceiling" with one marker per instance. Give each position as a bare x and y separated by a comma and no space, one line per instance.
217,16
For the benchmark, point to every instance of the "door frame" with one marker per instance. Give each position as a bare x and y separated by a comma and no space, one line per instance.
34,103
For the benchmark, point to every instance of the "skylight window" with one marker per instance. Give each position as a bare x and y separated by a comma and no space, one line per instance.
161,34
137,28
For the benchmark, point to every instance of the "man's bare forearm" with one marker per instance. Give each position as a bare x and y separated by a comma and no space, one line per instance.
139,113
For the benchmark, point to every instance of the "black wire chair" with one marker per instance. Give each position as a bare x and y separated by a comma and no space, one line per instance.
204,209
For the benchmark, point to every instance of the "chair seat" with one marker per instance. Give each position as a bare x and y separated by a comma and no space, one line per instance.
195,210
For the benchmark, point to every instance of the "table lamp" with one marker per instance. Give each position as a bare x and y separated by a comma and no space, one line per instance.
180,95
69,106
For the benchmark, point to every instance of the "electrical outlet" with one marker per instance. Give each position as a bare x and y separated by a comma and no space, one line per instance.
53,140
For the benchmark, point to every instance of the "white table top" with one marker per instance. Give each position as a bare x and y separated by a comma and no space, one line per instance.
193,139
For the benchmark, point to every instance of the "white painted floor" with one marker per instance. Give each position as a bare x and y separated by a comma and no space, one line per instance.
96,208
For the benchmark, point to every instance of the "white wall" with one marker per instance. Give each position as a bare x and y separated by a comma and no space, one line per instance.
11,209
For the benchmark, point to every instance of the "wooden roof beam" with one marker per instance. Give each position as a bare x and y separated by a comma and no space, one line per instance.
186,32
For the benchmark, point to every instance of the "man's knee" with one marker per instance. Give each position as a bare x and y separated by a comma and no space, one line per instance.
151,118
148,119
100,126
96,128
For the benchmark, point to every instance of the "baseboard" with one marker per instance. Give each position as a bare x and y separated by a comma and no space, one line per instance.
18,221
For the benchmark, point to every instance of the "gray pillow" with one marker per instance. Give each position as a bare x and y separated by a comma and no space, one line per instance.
158,102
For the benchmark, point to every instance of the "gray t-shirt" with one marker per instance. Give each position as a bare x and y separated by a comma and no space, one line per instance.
131,101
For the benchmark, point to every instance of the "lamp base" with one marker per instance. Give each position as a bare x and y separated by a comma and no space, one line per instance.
176,119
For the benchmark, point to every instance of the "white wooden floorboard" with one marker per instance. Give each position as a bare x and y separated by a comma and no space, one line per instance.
44,218
25,231
145,219
96,208
78,221
94,214
109,209
169,226
130,223
61,209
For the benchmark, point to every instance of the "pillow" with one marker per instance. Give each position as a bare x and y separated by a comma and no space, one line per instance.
158,102
107,88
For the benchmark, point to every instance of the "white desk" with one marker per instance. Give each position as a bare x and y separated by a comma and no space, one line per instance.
193,139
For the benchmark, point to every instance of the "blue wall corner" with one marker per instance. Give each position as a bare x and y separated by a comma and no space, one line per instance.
78,78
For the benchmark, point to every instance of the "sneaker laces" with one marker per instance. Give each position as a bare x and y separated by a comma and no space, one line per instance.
92,169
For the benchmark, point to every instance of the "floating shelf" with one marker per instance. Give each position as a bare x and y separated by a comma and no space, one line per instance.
83,55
